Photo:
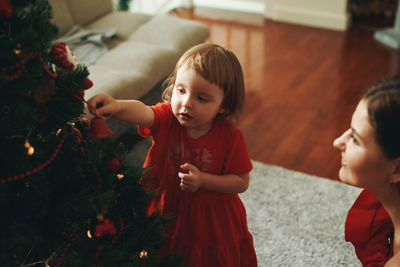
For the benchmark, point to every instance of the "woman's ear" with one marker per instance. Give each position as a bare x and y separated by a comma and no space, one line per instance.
395,176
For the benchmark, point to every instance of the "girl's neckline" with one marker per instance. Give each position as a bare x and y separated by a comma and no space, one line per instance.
204,136
200,138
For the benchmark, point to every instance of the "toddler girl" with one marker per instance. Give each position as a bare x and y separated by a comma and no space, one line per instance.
198,160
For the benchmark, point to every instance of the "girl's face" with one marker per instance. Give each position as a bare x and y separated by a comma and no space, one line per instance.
195,101
363,162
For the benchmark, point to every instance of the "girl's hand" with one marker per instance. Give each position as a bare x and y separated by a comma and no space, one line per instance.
102,105
190,181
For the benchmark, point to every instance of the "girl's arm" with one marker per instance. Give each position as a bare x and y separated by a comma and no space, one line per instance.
131,111
227,183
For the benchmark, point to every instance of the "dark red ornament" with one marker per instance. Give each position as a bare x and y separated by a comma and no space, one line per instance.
86,83
44,90
99,128
83,120
115,164
78,135
105,229
6,9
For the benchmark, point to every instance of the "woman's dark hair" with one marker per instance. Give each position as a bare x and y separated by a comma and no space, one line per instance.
383,102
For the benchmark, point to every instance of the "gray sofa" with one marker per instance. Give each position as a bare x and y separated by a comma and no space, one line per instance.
140,55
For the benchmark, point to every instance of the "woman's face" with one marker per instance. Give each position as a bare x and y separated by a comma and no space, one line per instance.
363,162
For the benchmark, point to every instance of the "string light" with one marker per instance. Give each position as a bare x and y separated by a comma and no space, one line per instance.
29,149
36,169
17,51
89,234
120,176
143,254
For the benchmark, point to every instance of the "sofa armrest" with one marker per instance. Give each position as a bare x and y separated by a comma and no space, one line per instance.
62,16
171,32
85,12
123,21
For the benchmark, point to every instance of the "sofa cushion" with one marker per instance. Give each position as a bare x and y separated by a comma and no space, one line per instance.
61,16
79,10
120,84
152,60
124,22
131,69
171,32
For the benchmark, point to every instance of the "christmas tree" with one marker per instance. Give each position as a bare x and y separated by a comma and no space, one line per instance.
67,196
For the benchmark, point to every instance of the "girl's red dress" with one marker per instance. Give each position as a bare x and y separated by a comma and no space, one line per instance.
209,228
369,228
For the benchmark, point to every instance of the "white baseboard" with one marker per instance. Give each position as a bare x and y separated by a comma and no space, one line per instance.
233,5
273,9
333,21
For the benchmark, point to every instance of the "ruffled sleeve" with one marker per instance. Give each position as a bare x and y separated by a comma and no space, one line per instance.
237,157
162,115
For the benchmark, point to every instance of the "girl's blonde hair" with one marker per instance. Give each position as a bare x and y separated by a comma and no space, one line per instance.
218,66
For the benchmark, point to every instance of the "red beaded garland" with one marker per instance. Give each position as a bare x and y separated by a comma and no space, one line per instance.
62,256
28,173
20,66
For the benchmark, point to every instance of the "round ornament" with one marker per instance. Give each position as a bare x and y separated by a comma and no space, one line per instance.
6,9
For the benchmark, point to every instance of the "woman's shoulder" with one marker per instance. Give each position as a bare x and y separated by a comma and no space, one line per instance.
368,210
369,228
367,199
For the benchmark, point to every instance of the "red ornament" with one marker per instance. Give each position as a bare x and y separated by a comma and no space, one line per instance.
86,84
115,164
105,229
83,120
78,135
6,9
62,56
99,129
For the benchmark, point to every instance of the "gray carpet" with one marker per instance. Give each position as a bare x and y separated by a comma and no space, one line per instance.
296,219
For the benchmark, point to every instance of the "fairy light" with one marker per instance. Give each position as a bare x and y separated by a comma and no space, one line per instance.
17,51
120,176
89,234
143,254
29,149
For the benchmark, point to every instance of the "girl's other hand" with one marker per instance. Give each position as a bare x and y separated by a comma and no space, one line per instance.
191,180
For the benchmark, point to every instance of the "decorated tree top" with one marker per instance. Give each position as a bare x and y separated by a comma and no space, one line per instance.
67,196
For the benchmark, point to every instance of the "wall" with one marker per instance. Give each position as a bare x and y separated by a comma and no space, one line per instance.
330,14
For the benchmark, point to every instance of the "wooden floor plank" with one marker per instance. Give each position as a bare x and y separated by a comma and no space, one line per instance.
302,85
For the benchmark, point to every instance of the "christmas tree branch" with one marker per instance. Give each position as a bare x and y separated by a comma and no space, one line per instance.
43,262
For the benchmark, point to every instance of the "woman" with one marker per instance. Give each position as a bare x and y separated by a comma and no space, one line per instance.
371,160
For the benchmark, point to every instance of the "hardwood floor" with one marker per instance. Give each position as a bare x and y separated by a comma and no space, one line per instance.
302,84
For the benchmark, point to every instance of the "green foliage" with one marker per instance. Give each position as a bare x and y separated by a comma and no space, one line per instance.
123,5
380,8
50,199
